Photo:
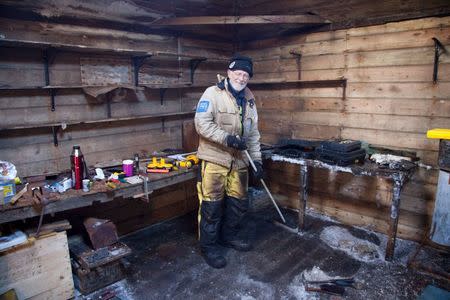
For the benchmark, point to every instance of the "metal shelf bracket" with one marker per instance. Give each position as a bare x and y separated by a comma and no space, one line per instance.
193,64
55,135
439,49
138,62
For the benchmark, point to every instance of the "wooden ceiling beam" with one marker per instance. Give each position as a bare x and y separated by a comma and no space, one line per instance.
234,20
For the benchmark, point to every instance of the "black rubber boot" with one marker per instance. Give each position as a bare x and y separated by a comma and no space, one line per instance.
211,214
235,211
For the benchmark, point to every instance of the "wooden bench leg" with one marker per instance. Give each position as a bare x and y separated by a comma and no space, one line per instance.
393,220
304,197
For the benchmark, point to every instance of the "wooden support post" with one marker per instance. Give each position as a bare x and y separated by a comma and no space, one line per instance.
393,220
304,197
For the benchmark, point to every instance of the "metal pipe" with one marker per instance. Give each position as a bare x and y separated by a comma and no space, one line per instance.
265,187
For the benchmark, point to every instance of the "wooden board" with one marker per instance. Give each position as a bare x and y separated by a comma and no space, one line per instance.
105,71
39,271
190,136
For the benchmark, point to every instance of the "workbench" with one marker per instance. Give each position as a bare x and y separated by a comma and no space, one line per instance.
99,193
399,177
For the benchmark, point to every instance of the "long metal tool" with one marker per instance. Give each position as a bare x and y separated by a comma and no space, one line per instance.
265,187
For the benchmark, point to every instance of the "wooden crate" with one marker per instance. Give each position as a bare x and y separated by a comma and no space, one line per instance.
89,280
40,270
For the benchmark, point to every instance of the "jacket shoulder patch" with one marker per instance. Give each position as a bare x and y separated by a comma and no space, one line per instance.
203,106
251,102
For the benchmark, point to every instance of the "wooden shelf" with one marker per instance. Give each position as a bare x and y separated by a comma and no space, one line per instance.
163,54
124,86
66,124
167,86
72,47
138,59
305,83
62,87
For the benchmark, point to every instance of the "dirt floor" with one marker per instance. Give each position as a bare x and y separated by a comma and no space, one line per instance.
165,263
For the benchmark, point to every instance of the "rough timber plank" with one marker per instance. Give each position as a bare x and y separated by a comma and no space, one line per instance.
39,271
400,107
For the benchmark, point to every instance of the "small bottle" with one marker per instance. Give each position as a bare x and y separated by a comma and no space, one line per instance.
136,164
77,167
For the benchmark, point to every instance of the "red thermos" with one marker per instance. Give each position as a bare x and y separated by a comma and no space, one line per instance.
77,166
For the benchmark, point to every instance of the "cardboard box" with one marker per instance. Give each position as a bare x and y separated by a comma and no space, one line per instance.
7,191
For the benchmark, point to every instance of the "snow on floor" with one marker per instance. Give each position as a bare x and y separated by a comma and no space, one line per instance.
341,239
403,248
120,289
315,274
296,288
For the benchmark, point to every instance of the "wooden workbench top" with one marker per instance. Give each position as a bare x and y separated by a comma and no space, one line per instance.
99,192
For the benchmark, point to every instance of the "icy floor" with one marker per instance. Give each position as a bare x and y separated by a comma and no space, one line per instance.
165,263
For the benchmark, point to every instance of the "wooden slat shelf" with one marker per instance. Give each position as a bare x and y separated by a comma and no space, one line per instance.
62,87
166,86
71,47
138,56
163,54
131,87
65,124
305,83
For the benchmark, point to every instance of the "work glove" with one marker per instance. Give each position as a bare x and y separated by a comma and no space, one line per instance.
259,173
236,142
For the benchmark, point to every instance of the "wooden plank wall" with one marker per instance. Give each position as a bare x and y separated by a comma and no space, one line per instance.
390,101
32,150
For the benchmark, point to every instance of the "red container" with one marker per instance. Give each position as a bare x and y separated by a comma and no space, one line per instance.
77,167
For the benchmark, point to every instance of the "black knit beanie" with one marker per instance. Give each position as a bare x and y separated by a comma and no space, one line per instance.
244,63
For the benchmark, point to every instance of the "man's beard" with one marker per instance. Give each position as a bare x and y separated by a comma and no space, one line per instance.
237,87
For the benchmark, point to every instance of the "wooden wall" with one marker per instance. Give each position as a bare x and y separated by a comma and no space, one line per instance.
130,214
32,149
390,101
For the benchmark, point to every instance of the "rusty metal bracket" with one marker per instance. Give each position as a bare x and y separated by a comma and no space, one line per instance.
298,58
193,64
108,105
49,57
439,49
52,99
138,62
162,92
55,135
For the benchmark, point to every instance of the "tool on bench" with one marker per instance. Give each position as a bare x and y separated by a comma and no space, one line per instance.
265,186
19,194
188,161
42,201
159,165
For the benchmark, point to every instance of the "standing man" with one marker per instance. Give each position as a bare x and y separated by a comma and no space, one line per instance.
227,123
